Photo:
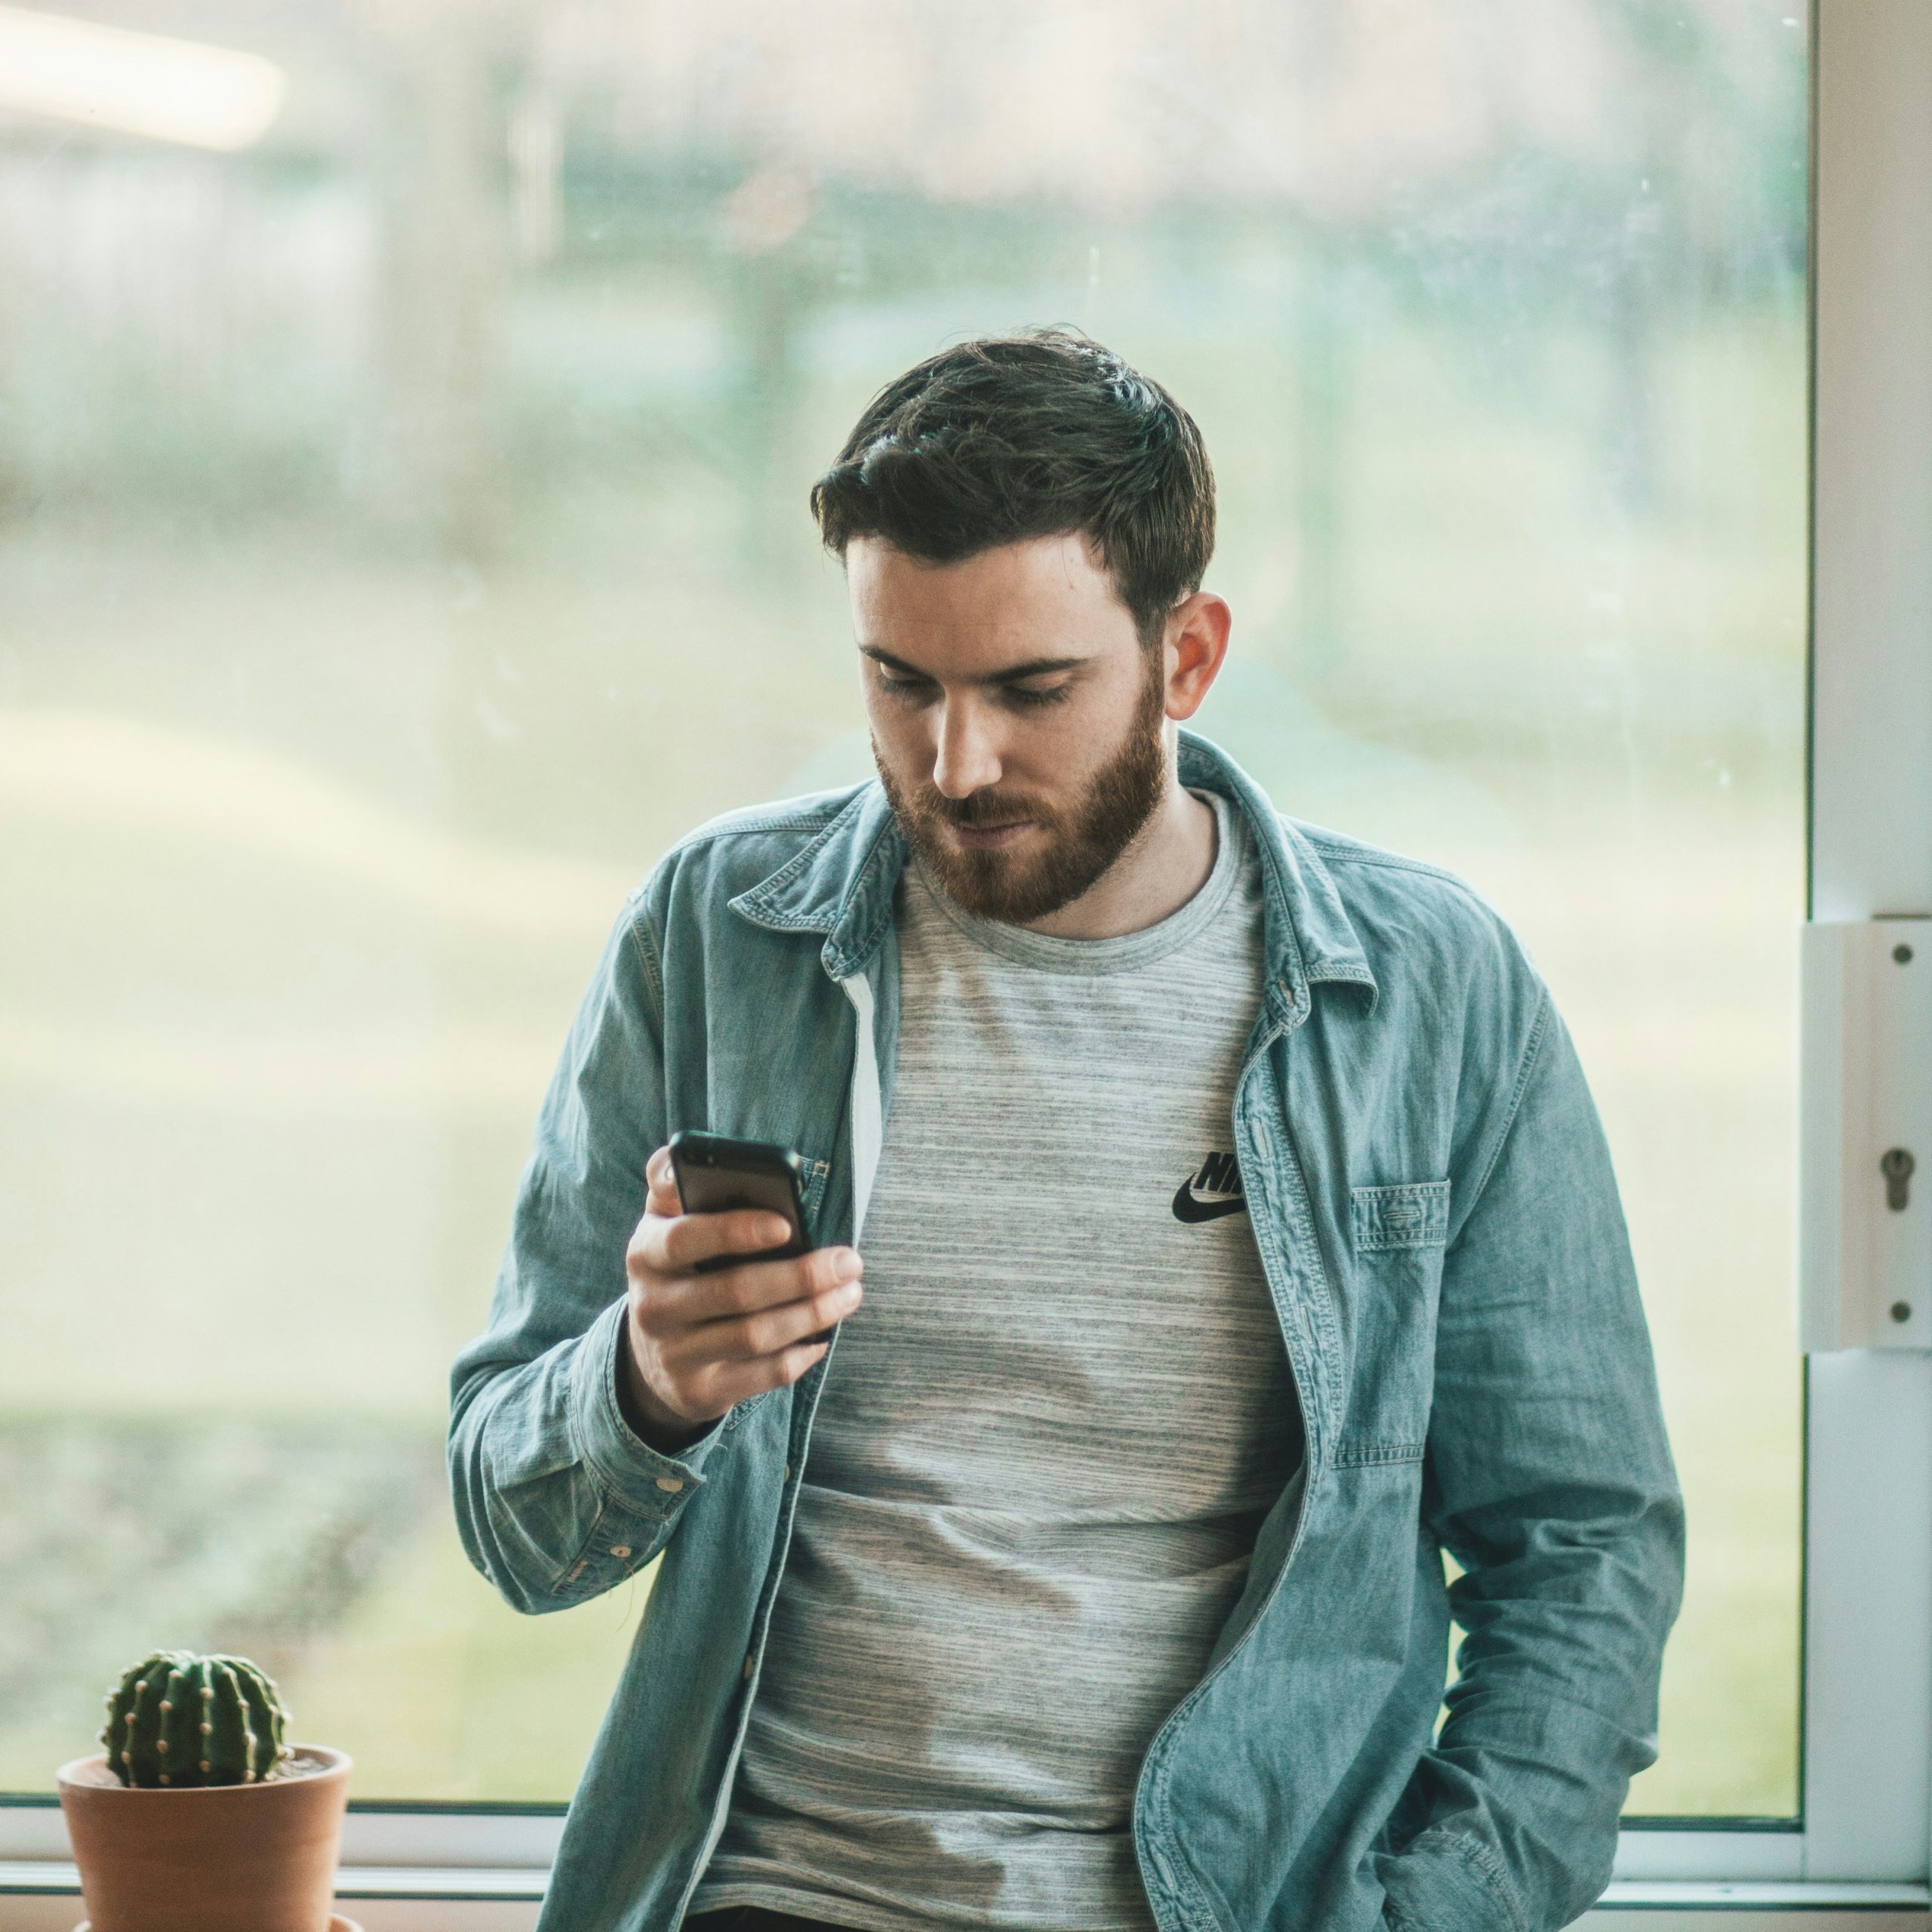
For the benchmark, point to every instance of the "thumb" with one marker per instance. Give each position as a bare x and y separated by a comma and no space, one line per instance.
664,1183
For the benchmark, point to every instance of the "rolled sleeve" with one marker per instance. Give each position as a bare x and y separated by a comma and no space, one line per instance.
654,1485
556,1498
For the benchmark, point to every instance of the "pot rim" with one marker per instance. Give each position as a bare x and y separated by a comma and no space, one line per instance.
338,1923
336,1765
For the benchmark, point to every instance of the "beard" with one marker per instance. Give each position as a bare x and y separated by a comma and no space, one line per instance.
1080,843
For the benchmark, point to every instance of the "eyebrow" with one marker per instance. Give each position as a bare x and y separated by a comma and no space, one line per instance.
1036,667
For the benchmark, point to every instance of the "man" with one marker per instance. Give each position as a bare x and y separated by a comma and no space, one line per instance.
1237,1236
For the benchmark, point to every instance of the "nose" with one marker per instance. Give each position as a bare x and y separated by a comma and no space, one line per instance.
966,758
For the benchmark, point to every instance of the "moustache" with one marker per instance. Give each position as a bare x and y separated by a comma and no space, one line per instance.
980,811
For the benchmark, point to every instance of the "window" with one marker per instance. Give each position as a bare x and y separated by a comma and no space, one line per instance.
402,540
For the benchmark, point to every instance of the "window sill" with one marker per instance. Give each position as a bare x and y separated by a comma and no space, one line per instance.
41,1895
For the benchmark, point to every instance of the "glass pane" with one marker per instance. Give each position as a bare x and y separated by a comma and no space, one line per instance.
403,449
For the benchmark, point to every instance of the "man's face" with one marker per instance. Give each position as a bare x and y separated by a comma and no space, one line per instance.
1017,720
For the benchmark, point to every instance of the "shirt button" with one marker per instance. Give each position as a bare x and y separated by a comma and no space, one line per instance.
673,1483
748,1668
620,1550
788,1472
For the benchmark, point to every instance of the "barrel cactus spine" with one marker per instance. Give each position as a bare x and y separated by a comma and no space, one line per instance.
178,1719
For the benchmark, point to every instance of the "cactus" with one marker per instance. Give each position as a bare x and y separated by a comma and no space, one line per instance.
181,1719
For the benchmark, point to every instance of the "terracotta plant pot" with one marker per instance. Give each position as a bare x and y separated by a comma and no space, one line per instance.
336,1924
218,1858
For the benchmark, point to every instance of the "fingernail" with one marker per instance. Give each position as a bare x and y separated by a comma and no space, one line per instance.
847,1266
776,1229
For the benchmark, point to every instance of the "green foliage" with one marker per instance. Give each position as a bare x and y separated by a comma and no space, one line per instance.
181,1719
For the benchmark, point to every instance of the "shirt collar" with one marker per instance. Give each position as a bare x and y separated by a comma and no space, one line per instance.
841,883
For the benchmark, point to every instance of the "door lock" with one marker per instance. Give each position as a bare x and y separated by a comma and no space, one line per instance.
1896,1165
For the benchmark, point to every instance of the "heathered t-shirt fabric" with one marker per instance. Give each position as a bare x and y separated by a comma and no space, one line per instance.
1046,1440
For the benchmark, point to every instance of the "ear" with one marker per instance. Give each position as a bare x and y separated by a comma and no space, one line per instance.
1193,648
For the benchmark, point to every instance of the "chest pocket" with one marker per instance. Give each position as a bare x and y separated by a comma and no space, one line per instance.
811,1196
1396,1235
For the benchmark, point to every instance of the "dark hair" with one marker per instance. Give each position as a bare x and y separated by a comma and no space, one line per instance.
1008,437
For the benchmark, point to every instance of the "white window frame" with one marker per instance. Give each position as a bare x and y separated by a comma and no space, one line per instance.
1866,1826
1864,1841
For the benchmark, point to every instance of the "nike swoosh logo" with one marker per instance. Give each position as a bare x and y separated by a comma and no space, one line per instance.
1187,1208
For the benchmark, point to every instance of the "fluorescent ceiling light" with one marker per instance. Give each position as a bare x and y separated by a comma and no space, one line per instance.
136,83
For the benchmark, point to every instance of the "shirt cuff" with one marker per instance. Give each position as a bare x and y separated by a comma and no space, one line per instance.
644,1479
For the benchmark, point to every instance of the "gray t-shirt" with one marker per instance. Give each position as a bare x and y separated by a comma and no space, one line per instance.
1046,1440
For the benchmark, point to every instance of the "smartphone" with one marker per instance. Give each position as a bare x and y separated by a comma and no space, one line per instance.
715,1173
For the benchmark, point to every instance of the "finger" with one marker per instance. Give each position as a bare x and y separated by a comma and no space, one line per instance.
772,1331
738,1381
684,1312
663,1181
673,1243
753,1286
690,1238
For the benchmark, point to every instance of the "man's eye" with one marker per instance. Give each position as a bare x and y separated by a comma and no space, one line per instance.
1021,696
903,686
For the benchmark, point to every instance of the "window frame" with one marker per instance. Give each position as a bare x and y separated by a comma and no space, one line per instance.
1864,1836
1866,1714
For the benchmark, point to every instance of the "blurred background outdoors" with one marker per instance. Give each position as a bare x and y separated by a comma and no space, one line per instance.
406,416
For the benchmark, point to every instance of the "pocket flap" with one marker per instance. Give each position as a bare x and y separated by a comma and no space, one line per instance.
1412,1213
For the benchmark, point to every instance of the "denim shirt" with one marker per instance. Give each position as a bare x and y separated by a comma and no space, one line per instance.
1432,1201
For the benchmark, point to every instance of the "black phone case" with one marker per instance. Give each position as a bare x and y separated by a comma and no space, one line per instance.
715,1173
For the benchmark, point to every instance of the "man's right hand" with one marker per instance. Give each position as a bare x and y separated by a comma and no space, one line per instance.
698,1343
